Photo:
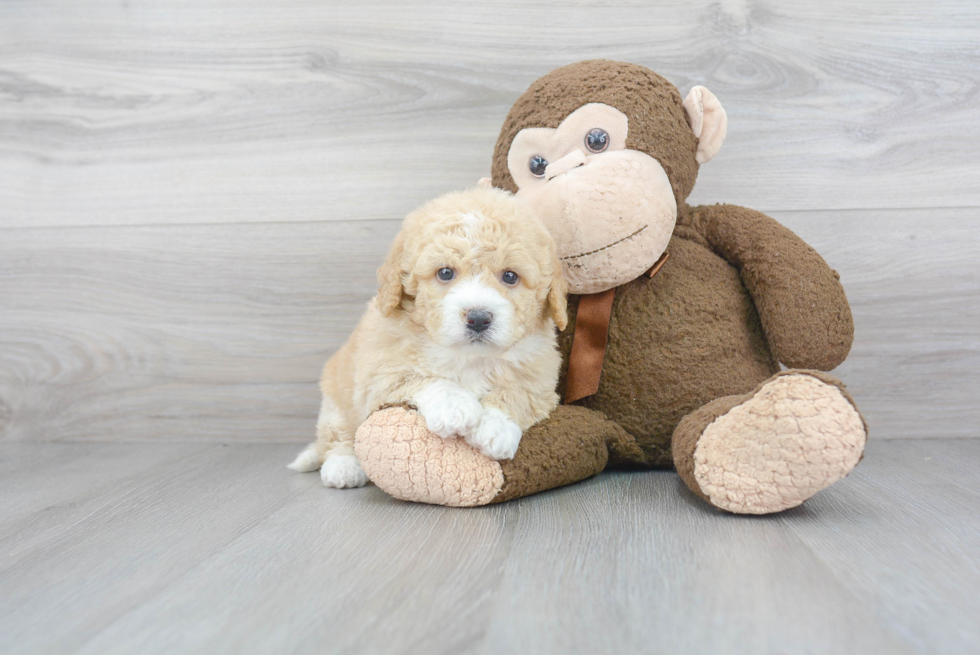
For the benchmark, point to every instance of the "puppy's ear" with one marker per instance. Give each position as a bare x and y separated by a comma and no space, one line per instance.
390,284
557,301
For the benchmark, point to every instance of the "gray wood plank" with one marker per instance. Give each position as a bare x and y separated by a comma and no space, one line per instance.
177,332
637,564
224,111
347,572
937,461
43,507
93,562
57,476
234,554
219,331
904,538
574,566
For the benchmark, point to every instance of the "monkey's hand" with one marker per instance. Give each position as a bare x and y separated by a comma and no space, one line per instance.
800,300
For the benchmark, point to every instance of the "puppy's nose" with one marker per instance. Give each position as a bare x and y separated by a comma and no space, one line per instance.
478,320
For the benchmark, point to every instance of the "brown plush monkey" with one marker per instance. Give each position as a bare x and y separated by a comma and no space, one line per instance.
679,319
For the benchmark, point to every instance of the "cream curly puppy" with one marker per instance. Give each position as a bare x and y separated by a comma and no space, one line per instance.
462,328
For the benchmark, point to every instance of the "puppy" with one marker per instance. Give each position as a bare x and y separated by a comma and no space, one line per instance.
462,328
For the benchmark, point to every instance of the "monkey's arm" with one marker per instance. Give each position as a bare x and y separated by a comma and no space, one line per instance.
799,298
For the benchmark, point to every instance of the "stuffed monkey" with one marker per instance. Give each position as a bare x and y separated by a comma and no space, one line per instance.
679,316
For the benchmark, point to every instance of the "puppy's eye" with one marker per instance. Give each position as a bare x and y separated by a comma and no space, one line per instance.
536,165
445,274
597,140
510,278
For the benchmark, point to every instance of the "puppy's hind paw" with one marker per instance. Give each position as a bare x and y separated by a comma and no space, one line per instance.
449,410
497,436
342,472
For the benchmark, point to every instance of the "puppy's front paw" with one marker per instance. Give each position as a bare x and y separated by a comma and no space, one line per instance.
342,472
497,436
449,410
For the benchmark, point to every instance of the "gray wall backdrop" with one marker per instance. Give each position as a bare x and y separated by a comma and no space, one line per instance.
194,198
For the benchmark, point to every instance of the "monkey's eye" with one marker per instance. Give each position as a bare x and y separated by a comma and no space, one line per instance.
445,274
597,140
537,164
510,278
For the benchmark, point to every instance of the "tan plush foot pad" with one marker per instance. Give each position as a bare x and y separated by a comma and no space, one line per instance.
405,460
795,436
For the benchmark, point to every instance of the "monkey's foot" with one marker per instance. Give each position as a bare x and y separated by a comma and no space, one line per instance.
404,459
772,449
407,461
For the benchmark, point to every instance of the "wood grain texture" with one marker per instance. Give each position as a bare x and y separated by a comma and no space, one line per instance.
61,484
219,331
108,552
69,470
225,551
887,519
228,111
183,332
913,281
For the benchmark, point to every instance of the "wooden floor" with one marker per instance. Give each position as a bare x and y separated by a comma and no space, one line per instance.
196,548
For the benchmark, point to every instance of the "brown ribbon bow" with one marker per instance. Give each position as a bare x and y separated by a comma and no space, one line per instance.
589,341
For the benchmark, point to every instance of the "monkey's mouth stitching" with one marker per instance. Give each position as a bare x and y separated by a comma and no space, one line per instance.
614,243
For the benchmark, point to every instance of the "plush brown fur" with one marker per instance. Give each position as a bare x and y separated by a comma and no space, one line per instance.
688,335
658,124
693,333
738,294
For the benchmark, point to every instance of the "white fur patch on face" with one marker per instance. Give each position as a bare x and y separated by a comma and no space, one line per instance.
471,222
470,294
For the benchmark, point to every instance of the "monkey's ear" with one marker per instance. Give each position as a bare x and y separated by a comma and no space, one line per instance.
390,284
708,121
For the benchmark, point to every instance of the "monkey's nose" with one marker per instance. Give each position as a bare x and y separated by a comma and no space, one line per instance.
574,159
478,320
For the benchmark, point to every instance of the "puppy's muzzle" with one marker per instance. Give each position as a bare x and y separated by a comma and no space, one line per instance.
478,320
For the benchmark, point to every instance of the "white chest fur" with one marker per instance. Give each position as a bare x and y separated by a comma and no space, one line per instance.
477,369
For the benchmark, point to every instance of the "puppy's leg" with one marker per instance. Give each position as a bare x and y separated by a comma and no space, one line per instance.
506,414
332,452
497,435
311,458
341,469
448,409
